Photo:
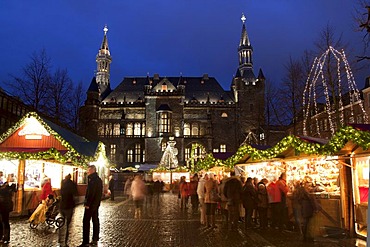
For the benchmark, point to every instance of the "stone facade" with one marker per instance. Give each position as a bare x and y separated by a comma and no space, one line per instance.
136,119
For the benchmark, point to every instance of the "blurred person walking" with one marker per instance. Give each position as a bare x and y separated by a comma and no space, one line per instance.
200,192
138,192
68,191
249,198
210,199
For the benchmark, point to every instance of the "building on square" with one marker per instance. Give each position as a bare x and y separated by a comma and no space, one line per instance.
136,119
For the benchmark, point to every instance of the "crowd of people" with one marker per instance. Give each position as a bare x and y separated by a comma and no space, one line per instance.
258,203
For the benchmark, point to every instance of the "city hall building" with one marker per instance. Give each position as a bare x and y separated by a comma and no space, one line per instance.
136,119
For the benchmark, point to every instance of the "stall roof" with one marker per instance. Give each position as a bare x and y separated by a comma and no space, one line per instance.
80,144
76,146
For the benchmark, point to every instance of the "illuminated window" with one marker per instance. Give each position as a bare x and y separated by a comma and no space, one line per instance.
130,155
222,148
164,122
137,152
143,129
129,129
108,129
113,152
216,150
186,129
187,153
262,136
164,87
143,151
116,129
122,130
224,114
137,129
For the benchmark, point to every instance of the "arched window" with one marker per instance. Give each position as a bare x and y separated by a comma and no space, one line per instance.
116,129
143,129
129,130
137,129
186,129
194,130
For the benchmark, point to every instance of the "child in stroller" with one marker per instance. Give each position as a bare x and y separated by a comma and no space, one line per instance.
47,211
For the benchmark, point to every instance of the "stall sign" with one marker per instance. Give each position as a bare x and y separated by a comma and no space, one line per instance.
33,130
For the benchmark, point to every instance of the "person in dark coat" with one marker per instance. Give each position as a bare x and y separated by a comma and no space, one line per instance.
262,203
92,202
111,187
308,208
6,206
249,198
68,191
232,191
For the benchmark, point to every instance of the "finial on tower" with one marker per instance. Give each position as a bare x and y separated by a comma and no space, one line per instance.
243,18
105,29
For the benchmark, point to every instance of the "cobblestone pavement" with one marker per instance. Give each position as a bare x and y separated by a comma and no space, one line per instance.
162,224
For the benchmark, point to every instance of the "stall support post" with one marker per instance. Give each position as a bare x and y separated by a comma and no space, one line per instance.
20,189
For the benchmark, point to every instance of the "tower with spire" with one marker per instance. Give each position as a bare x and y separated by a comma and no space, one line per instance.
103,60
248,89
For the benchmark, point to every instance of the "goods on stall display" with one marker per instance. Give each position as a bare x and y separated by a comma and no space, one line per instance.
318,175
269,170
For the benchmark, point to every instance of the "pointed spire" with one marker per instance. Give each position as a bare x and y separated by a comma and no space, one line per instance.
260,75
245,49
244,40
103,61
93,86
104,49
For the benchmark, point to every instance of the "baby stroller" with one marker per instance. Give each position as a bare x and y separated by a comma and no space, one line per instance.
47,211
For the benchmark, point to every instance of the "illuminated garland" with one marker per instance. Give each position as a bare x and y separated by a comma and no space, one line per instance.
336,143
70,156
165,169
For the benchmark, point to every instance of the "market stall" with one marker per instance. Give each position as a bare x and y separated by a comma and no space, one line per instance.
320,174
35,148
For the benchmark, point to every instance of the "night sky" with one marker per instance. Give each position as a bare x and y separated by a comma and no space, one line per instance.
169,37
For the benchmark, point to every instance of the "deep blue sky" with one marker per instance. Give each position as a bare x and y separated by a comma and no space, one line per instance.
168,36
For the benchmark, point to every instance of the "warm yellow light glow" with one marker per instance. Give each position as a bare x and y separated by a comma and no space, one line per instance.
33,130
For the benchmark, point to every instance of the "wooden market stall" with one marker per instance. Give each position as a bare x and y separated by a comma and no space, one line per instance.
324,176
35,148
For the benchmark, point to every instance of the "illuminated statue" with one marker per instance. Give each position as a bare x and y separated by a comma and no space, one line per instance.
169,158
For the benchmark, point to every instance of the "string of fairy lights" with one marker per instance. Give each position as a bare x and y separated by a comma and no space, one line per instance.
335,144
321,90
71,156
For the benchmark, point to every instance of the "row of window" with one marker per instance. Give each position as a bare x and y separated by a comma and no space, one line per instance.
137,154
138,129
11,106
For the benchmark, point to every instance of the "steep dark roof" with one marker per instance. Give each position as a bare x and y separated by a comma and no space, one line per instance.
79,143
93,86
198,87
